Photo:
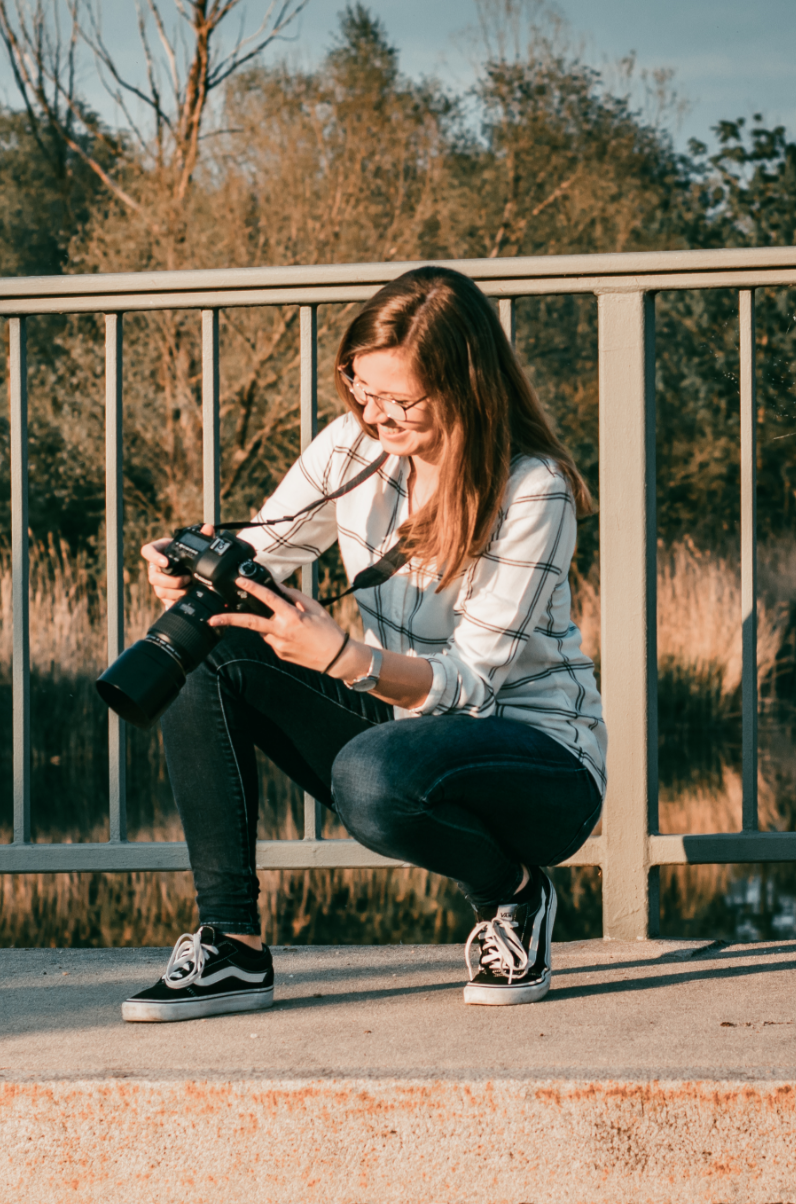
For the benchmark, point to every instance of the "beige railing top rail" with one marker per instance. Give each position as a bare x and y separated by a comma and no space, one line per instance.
648,271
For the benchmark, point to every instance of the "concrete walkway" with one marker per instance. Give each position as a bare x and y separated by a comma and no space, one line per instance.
657,1072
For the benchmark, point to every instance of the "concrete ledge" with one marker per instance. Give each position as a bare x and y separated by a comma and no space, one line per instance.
657,1072
351,1141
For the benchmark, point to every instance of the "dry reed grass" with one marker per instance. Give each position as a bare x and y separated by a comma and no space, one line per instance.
67,612
699,607
699,613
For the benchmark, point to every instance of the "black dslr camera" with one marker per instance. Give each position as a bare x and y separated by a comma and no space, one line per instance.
149,675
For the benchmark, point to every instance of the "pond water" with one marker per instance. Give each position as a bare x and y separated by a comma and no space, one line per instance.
700,792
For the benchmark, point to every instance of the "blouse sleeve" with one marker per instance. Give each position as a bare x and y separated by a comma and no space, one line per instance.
505,595
286,546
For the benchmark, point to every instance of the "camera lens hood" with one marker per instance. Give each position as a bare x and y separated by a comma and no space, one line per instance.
141,683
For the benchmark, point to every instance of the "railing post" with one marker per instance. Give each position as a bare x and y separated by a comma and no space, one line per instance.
308,324
628,588
114,520
210,419
748,559
506,312
20,574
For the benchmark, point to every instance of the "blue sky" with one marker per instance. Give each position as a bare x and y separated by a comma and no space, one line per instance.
730,57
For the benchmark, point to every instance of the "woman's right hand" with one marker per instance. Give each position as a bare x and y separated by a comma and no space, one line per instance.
168,589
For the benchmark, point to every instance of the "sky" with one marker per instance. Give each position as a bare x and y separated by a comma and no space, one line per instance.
730,58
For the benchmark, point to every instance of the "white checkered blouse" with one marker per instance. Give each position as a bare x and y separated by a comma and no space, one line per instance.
499,639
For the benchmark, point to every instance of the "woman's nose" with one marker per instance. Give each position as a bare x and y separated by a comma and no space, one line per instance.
373,413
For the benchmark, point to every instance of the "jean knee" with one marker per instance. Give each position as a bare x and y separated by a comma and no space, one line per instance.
364,792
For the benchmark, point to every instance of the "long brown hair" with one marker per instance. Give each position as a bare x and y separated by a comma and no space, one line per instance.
486,408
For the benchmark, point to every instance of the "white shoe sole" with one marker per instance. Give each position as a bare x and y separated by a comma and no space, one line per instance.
505,996
196,1009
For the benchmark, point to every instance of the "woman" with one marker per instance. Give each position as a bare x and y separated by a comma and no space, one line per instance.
464,734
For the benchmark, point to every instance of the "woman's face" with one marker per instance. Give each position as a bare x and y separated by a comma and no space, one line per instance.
388,375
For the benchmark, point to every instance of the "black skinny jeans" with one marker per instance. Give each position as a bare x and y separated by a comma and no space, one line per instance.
473,799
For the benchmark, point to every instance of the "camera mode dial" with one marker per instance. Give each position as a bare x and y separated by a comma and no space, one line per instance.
248,568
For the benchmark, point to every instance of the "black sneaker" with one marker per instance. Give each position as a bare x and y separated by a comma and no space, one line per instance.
207,975
514,966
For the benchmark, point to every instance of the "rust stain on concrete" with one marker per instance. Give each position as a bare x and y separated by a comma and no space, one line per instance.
357,1141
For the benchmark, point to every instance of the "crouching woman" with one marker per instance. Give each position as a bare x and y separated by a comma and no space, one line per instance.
464,734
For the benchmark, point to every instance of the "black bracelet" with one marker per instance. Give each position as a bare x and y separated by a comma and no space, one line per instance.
340,651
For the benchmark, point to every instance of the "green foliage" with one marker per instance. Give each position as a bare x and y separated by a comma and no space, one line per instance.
47,198
746,196
756,184
47,194
355,162
571,169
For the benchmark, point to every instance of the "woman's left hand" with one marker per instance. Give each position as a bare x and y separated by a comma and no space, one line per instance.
303,634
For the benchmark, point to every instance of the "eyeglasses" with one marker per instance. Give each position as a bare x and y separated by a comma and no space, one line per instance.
391,407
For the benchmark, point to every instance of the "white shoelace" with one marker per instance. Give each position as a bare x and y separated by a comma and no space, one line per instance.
502,951
187,960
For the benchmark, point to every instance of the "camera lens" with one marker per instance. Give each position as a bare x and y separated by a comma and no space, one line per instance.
147,677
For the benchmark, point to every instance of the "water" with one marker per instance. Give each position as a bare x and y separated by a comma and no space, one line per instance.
700,792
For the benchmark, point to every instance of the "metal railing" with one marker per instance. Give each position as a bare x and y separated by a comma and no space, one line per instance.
630,849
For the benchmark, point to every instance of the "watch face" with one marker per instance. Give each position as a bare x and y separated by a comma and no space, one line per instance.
364,684
371,680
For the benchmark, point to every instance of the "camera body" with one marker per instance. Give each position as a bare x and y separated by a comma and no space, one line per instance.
215,561
148,676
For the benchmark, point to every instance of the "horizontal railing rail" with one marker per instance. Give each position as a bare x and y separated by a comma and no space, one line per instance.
630,849
649,271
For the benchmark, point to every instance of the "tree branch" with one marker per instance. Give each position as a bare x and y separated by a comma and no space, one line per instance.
166,44
232,62
41,68
103,55
20,74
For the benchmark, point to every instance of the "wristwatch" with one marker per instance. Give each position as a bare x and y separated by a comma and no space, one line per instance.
363,685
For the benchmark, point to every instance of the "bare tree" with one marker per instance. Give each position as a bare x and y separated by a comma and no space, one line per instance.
182,70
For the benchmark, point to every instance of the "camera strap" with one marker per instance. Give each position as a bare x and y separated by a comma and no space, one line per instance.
375,574
321,501
369,578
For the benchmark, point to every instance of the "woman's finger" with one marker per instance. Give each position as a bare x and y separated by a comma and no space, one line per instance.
167,588
169,595
304,601
153,552
166,580
250,622
264,594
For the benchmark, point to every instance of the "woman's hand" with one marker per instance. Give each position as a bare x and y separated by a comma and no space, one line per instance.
168,589
303,634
